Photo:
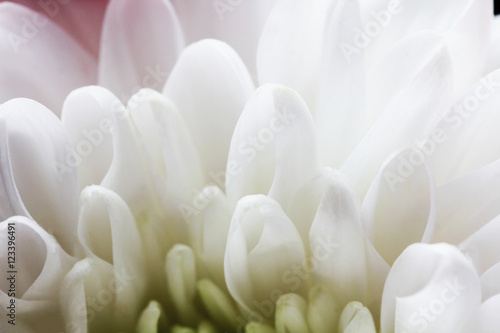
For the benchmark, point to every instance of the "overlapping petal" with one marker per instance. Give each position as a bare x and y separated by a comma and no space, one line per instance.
262,249
409,116
210,86
340,106
486,318
464,139
366,88
168,141
34,265
291,45
81,20
399,208
140,43
38,177
430,288
346,261
86,117
27,45
111,239
482,247
274,147
237,22
209,223
462,23
489,282
466,204
398,68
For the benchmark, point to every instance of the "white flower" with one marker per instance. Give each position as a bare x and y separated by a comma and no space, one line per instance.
341,176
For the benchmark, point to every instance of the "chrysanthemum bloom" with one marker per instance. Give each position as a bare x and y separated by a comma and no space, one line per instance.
342,177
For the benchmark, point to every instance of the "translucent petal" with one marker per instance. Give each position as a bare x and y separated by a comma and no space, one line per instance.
430,288
238,23
28,68
273,148
208,83
33,273
466,204
343,255
87,118
139,46
37,152
399,207
409,116
262,249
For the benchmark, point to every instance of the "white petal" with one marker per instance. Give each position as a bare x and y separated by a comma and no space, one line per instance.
129,162
207,84
291,46
344,256
465,138
28,67
108,230
209,227
37,148
468,40
340,106
238,23
466,204
430,288
399,207
11,202
82,20
262,248
486,320
168,141
176,170
398,68
409,116
464,24
406,17
306,201
88,293
151,172
139,45
489,282
38,267
274,138
483,247
144,189
86,117
72,298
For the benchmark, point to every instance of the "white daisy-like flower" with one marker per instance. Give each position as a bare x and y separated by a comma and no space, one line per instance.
250,166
